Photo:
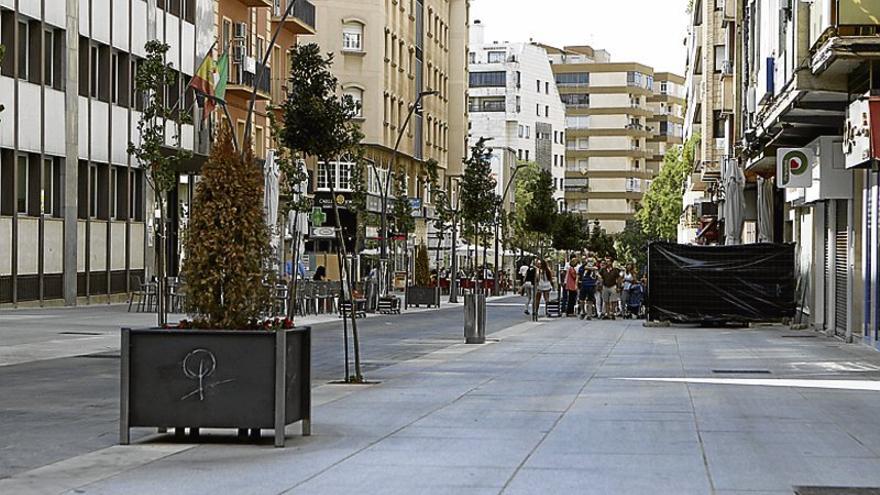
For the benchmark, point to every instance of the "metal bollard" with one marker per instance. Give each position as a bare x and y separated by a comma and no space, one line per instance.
475,318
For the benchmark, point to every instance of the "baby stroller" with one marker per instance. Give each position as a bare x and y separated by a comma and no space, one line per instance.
634,306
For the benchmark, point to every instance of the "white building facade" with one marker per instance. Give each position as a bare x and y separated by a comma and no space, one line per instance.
513,100
75,217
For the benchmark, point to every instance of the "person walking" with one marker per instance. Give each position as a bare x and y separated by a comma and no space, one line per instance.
571,286
543,287
528,286
610,282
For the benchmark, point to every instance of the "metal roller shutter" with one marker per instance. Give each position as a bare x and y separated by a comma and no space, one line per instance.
841,268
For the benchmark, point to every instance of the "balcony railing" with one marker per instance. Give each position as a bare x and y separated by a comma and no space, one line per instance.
303,10
244,73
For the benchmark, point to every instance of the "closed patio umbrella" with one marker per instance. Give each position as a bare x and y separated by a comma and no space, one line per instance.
271,175
765,210
734,204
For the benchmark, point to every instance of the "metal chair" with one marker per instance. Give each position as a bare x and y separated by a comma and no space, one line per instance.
136,289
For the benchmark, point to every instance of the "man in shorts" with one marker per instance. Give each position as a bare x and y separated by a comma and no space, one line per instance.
610,277
587,290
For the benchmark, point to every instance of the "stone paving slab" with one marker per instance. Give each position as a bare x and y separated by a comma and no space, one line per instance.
545,410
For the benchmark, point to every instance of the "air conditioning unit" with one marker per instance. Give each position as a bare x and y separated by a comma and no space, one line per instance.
238,53
240,31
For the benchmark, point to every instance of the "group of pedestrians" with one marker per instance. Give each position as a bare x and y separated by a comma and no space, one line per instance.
588,288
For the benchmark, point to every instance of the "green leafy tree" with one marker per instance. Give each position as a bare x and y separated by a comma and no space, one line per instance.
422,275
662,205
320,124
632,243
540,212
478,198
151,81
227,242
600,242
404,223
570,232
520,235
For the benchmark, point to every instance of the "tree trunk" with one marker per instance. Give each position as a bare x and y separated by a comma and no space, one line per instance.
161,249
345,282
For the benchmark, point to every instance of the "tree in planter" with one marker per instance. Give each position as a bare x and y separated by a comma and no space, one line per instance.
151,81
632,243
320,124
478,198
422,275
227,241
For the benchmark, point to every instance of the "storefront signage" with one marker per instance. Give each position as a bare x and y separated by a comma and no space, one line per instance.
323,233
793,167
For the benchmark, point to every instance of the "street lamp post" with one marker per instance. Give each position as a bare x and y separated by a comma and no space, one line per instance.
383,256
454,200
500,208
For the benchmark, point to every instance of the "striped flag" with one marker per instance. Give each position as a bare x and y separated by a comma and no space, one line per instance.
209,81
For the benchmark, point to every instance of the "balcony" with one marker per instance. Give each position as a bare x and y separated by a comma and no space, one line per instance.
256,3
301,19
242,76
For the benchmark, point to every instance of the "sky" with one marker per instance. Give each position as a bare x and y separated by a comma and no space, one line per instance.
650,32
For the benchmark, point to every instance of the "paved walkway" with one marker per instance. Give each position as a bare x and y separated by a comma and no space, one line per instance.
550,407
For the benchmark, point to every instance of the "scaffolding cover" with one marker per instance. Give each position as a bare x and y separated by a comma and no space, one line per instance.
746,283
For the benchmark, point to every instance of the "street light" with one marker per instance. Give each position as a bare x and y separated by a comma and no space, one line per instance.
498,221
383,257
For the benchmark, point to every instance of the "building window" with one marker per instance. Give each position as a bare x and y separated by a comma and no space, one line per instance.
23,49
538,84
353,37
576,100
495,79
21,198
527,155
528,131
339,173
546,110
357,97
720,57
94,73
573,79
577,122
664,88
538,109
472,58
496,57
719,125
47,192
546,88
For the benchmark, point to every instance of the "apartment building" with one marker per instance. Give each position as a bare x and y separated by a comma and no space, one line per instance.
513,101
74,221
713,113
387,53
607,131
666,121
808,76
244,28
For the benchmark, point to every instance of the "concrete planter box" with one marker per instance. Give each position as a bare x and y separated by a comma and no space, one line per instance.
423,296
215,379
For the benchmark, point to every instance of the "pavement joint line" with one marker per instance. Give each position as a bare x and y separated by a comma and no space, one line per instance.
547,433
703,455
371,444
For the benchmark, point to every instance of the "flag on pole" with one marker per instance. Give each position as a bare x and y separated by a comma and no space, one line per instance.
209,81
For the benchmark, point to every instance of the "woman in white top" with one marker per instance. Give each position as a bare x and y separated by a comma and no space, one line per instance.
629,276
543,286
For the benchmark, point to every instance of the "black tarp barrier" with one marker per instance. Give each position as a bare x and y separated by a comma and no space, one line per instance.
747,283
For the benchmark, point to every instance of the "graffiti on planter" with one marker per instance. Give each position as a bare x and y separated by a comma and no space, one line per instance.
200,364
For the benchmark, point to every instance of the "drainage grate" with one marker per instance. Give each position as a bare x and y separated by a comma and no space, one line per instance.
79,333
99,356
835,490
741,372
796,336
